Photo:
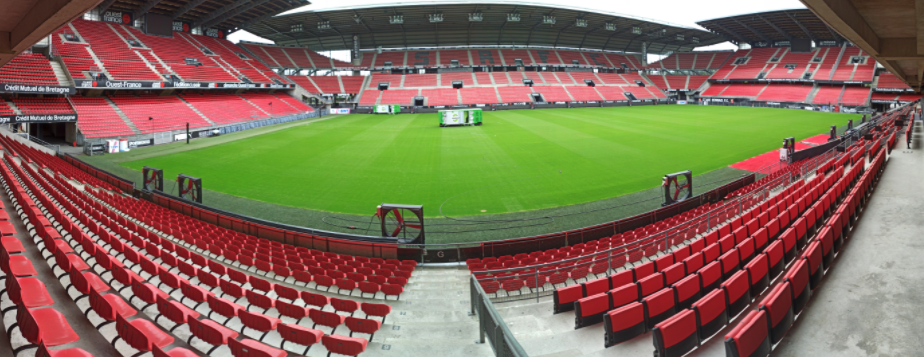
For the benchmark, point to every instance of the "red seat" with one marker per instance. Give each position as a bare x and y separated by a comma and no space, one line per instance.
291,310
175,352
286,292
232,289
711,315
30,292
260,300
315,299
677,335
345,284
84,282
778,305
349,346
211,332
362,325
564,298
70,352
258,322
16,265
394,290
623,324
344,305
371,309
46,326
12,244
142,334
261,285
368,287
175,311
750,338
253,348
325,318
195,292
324,280
147,293
109,306
299,334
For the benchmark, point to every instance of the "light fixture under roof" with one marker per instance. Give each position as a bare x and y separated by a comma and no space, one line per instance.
514,17
610,26
548,20
475,16
580,23
396,19
436,17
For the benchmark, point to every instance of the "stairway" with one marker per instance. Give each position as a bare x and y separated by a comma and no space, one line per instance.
60,74
14,107
196,110
122,115
812,93
254,105
99,63
147,63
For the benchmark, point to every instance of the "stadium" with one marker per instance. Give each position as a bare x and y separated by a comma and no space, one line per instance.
257,178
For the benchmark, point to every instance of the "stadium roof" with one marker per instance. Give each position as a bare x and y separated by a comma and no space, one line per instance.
891,31
218,14
771,26
372,25
25,22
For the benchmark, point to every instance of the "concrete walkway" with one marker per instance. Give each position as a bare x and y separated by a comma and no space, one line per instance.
870,303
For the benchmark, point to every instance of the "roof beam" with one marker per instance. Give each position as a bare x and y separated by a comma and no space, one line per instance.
221,11
801,26
147,6
833,33
607,43
105,6
758,33
238,11
255,20
559,34
588,33
530,37
785,35
363,22
730,32
186,8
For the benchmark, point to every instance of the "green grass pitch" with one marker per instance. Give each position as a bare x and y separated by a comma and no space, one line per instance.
517,161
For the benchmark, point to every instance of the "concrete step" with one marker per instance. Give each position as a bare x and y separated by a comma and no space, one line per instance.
123,116
60,74
197,111
14,107
99,63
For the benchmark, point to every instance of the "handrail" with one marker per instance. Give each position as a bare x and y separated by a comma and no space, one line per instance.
504,345
648,238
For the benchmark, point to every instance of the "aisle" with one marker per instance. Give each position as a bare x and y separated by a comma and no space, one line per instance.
870,303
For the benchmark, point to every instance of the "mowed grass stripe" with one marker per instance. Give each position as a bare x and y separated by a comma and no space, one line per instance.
511,163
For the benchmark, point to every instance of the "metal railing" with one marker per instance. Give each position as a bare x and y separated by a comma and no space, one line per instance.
536,276
490,324
53,147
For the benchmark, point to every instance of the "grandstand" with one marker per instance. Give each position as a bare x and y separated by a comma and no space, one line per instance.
572,108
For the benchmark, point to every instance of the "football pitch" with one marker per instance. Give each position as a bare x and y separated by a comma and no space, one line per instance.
517,161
